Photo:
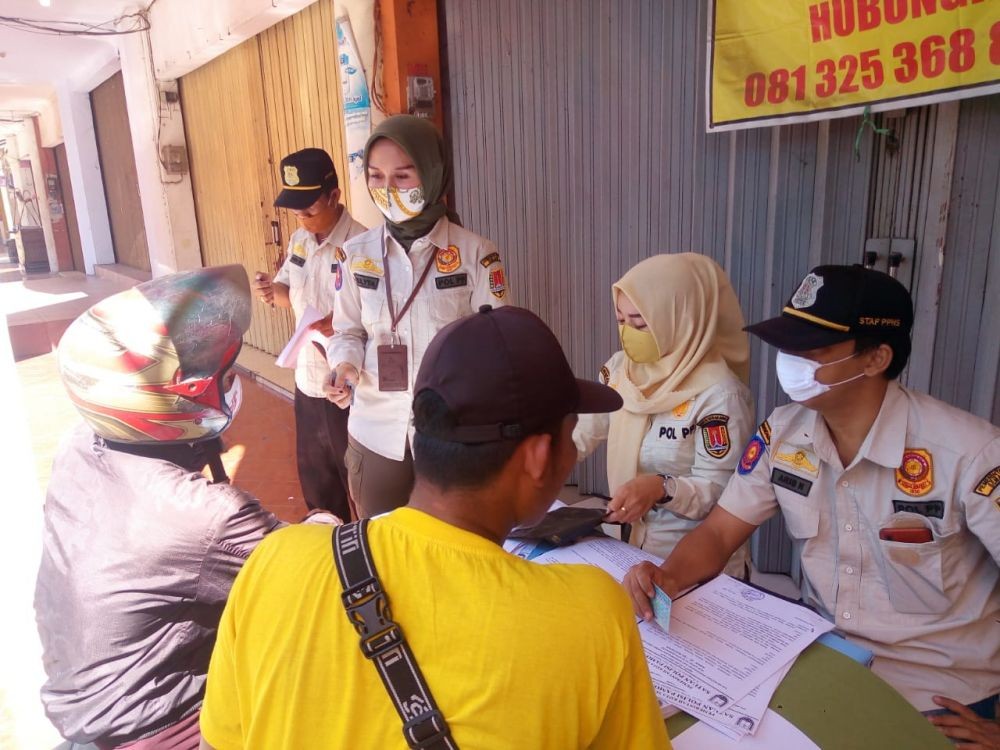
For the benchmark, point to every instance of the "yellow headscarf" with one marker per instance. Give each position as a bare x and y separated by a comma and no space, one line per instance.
691,310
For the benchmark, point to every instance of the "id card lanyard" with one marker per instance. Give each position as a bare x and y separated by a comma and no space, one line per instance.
393,363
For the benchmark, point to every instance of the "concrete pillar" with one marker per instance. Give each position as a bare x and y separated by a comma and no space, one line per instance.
85,176
167,199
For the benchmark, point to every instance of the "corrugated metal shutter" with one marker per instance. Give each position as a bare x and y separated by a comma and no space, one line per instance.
578,135
966,364
243,111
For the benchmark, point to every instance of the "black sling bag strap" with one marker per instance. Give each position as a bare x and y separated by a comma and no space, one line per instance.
383,643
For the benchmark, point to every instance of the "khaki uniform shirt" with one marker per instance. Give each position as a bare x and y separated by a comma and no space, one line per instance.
312,274
698,443
466,273
930,612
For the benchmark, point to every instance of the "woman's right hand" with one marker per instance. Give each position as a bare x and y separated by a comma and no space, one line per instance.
343,381
635,498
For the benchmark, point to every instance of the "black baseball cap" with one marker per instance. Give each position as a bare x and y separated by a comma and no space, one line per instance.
304,176
839,303
504,376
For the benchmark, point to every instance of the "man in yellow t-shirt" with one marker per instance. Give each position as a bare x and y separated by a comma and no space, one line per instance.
515,654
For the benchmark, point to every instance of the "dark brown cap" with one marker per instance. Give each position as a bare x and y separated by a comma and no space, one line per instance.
304,176
838,303
504,376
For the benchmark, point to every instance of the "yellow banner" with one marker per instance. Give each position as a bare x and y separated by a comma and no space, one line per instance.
779,61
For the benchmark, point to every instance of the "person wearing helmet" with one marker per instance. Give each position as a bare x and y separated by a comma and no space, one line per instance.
140,548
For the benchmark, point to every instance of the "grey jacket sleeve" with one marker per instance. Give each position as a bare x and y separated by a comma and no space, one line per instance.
240,524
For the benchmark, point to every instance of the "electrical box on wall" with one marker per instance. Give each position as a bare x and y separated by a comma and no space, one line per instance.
174,159
420,95
168,92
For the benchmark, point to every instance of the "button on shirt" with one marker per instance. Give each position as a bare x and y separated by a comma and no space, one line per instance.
466,272
698,443
312,273
929,611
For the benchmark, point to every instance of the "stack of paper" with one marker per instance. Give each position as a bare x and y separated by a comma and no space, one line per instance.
303,335
729,644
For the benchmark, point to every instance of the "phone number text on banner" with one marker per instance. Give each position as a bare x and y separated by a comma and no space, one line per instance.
780,61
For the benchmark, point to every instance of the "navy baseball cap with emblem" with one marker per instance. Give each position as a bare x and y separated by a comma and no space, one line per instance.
504,376
304,176
838,303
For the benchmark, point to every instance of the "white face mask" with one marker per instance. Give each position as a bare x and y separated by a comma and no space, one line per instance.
797,376
399,205
234,397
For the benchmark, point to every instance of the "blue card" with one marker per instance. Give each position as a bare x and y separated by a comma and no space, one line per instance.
661,607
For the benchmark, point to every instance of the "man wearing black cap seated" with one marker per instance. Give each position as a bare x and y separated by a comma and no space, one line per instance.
312,275
514,654
890,497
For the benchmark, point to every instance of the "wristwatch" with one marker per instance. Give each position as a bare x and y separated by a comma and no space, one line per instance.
669,488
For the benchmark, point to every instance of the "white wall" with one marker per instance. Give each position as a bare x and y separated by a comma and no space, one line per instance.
85,177
49,123
167,200
186,34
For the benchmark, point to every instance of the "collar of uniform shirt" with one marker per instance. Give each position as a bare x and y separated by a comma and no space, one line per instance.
886,440
438,237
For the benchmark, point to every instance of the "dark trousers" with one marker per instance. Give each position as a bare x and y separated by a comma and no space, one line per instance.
378,484
320,444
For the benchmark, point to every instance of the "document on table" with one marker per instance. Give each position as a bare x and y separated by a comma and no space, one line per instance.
775,731
289,356
728,647
725,639
610,555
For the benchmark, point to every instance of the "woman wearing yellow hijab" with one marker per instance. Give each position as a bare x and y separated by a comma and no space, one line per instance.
682,374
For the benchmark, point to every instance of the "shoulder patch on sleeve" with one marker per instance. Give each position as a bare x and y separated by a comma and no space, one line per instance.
765,432
498,283
605,374
988,484
489,260
751,455
711,419
715,435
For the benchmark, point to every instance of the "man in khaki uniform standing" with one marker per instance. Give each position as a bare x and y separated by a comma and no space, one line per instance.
891,497
312,274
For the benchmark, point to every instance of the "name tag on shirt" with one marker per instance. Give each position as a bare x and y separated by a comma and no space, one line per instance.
366,282
393,367
789,481
298,260
927,508
453,281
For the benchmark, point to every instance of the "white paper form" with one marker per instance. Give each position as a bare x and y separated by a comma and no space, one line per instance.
610,555
725,639
289,356
744,716
775,732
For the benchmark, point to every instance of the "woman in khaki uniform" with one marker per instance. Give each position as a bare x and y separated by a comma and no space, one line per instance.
682,373
402,283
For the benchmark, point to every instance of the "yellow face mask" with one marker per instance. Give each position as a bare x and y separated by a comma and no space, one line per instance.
639,346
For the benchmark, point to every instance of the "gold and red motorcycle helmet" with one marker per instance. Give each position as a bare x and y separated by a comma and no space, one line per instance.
149,365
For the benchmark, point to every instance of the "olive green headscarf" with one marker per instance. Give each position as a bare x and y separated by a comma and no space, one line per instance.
424,145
